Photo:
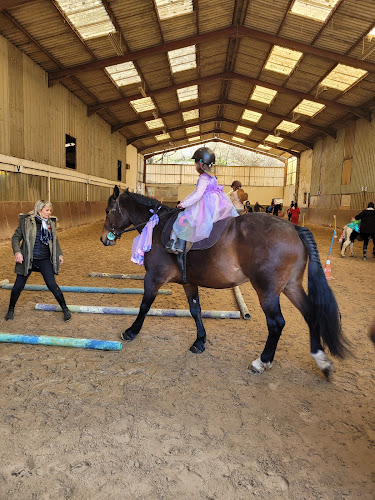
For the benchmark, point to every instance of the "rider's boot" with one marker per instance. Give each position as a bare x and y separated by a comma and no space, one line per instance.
179,246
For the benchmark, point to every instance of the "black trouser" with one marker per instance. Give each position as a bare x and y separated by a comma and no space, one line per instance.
44,266
366,237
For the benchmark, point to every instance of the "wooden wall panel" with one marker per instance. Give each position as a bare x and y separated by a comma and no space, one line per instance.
35,118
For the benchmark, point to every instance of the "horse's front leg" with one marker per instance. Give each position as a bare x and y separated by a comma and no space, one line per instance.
195,310
151,289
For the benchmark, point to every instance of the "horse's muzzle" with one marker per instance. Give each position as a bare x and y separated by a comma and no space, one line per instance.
106,242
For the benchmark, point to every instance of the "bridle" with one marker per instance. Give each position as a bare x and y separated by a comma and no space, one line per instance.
113,234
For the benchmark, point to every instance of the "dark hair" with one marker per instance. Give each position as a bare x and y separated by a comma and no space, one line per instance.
295,204
370,205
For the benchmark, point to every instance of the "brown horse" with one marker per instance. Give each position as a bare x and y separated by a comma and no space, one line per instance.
269,252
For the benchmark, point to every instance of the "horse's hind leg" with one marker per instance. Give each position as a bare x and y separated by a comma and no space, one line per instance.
270,304
195,310
296,294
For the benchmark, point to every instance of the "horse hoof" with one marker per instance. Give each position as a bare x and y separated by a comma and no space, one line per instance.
258,367
324,364
194,349
127,337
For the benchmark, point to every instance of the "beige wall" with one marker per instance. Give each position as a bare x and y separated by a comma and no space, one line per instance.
35,118
305,166
262,195
131,174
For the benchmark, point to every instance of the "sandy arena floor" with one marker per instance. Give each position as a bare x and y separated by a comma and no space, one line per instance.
155,421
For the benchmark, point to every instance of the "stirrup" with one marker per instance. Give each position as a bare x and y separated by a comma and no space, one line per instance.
170,246
179,246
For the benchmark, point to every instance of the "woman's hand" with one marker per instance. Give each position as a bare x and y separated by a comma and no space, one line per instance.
61,259
179,206
18,258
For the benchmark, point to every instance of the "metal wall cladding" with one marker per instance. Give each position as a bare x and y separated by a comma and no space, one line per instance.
22,187
35,119
186,174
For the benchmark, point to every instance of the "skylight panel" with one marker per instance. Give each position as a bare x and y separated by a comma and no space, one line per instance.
88,17
287,126
342,77
314,9
238,139
154,124
273,138
162,137
142,105
182,59
282,60
193,139
190,115
123,74
243,130
192,130
172,8
264,147
309,108
187,93
372,32
262,94
251,116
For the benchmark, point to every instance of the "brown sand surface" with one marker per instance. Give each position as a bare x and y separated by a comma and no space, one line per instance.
155,421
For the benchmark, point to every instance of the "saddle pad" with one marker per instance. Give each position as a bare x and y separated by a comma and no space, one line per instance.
209,242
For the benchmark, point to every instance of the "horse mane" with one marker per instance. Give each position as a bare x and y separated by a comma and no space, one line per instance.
147,201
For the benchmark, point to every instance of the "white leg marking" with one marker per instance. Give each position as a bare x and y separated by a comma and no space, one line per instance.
258,366
323,363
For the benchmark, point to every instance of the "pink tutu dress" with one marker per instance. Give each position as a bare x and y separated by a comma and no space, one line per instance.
204,206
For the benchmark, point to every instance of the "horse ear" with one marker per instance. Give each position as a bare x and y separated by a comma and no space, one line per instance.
116,192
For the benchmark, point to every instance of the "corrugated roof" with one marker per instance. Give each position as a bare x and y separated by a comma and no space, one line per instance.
233,42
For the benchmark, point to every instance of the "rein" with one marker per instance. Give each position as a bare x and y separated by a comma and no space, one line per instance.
117,234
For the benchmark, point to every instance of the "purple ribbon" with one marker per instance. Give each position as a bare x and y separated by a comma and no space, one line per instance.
143,242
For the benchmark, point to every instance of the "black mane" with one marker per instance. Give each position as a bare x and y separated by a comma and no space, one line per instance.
145,200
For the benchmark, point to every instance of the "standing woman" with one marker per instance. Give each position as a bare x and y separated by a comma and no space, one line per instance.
295,211
39,251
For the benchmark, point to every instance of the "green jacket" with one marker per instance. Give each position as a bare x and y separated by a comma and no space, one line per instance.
26,232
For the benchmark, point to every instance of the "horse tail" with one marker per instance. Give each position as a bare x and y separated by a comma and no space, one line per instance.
325,315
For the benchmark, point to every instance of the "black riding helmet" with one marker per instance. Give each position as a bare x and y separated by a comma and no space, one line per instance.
204,155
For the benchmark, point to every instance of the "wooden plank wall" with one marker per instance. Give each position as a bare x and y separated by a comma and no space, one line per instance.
35,118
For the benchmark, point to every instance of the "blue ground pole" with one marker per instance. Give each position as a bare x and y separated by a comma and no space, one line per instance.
104,345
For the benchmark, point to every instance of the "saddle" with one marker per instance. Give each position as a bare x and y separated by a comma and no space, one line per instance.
209,242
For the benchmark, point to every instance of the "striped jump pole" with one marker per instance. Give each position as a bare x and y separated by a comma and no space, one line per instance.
103,345
118,276
133,311
241,302
86,289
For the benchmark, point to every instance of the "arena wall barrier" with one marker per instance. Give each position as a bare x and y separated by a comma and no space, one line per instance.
69,214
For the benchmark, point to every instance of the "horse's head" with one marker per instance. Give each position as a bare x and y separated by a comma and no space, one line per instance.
116,221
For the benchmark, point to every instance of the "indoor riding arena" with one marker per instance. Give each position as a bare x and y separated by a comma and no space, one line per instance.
102,93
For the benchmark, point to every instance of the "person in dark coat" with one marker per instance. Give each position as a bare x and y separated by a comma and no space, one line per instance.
367,218
257,207
289,210
36,248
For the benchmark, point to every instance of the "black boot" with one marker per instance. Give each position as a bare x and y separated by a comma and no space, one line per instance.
170,246
12,304
60,299
10,314
179,246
